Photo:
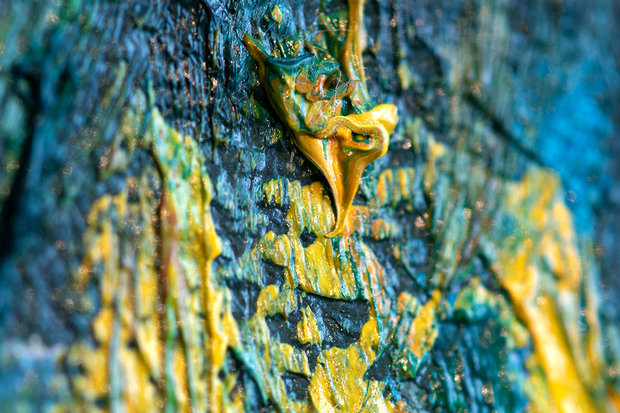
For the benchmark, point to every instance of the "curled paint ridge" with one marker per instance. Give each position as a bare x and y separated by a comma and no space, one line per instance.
327,106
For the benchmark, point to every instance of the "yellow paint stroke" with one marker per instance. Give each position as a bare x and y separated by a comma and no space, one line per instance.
338,384
308,330
394,186
341,268
165,325
546,248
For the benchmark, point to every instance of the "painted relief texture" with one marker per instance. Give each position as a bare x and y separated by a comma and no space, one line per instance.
309,206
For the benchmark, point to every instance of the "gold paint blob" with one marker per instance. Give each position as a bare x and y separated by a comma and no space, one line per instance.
308,94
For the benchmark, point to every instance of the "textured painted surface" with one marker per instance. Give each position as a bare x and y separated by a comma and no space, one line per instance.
196,305
165,245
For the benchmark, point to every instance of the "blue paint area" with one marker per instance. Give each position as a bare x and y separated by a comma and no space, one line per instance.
572,137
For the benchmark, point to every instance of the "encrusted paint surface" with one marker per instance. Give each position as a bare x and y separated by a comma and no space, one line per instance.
163,332
465,277
164,327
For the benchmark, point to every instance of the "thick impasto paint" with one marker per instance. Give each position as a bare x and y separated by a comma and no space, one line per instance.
333,207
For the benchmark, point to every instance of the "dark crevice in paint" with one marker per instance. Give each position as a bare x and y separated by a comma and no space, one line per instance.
11,204
296,385
244,299
307,238
341,321
253,399
312,353
284,329
380,369
272,274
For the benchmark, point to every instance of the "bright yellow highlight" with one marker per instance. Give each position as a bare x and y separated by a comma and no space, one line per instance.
338,384
308,330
